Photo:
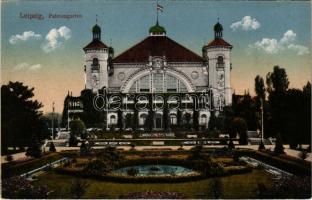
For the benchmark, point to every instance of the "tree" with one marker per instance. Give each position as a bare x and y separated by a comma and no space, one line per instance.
259,87
239,126
20,117
78,188
277,86
35,149
77,127
277,81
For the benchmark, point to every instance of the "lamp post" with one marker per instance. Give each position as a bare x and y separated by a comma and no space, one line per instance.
261,146
52,121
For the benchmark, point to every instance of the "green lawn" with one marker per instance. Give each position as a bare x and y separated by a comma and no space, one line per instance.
235,186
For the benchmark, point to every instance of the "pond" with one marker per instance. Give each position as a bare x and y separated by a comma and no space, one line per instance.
155,170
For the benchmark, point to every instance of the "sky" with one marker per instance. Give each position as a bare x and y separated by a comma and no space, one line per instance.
47,53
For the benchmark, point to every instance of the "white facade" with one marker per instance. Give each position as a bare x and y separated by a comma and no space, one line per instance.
160,75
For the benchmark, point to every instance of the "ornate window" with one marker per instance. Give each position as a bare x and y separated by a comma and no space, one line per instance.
158,82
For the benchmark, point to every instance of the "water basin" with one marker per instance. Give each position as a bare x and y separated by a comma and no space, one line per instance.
156,170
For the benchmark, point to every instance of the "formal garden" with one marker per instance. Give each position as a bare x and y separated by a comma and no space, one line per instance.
196,173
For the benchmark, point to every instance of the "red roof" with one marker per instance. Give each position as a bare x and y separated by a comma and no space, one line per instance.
218,42
157,46
95,44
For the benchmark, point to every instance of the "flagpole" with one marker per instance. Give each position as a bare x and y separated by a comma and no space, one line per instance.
157,10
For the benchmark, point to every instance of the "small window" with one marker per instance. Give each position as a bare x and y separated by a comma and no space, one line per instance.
95,62
220,60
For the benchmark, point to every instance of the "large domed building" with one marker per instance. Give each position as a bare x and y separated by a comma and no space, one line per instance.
156,66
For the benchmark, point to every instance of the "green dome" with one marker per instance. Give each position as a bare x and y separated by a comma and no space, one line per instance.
157,29
218,27
96,29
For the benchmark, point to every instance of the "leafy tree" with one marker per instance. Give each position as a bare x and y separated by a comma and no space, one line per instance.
259,87
78,188
277,86
77,127
34,150
20,117
239,126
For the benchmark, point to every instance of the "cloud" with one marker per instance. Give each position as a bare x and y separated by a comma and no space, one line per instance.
55,38
27,35
26,66
287,42
268,45
247,23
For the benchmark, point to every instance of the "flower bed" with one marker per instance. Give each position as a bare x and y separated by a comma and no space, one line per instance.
152,195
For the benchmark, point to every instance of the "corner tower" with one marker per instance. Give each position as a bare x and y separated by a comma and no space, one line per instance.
217,56
96,62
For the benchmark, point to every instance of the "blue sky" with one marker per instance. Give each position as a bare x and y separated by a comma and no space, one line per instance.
127,22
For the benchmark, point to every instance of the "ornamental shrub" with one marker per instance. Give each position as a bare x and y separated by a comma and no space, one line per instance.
52,147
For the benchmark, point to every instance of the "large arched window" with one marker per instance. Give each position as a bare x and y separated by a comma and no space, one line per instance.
158,82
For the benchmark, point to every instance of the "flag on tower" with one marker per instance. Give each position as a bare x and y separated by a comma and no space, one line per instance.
160,7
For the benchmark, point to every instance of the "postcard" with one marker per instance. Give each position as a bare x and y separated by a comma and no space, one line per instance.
155,99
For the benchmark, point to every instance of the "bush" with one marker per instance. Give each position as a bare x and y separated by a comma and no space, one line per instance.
85,149
52,147
261,146
152,195
73,142
303,154
97,167
231,145
77,127
20,188
34,151
288,187
9,158
132,171
293,146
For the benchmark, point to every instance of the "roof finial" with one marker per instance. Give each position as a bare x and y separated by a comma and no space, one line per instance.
110,42
96,19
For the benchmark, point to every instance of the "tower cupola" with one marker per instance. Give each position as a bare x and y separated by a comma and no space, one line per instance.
96,30
218,29
157,30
